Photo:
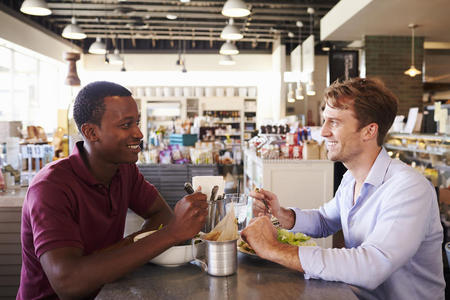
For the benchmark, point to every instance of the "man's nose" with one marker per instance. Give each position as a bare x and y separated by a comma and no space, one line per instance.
324,130
138,133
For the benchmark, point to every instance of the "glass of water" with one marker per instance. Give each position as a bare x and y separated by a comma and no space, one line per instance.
240,207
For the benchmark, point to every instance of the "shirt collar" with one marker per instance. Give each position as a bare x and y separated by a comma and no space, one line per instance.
79,166
379,169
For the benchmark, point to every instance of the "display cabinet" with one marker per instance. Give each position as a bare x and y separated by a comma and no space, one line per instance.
428,153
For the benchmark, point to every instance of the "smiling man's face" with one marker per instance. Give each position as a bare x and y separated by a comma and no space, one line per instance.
119,135
342,133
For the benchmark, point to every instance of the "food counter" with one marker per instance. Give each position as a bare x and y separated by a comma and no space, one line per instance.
255,279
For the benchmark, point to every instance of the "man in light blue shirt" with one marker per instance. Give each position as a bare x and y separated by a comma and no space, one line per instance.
387,211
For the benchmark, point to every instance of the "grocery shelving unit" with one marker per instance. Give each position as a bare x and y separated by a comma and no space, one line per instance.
244,109
305,184
428,150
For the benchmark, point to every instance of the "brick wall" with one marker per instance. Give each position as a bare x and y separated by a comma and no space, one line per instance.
388,57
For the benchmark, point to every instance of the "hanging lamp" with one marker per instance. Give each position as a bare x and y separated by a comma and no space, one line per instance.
299,91
310,88
228,48
35,8
290,95
412,71
235,9
73,31
231,32
97,47
115,58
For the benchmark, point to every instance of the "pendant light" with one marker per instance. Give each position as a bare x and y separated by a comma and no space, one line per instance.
35,8
115,58
310,88
228,48
231,32
235,9
299,91
73,31
226,60
290,95
97,47
412,71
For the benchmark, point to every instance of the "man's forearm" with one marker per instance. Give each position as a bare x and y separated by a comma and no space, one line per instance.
286,255
162,216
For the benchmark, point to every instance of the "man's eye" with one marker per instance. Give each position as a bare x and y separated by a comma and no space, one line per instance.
125,125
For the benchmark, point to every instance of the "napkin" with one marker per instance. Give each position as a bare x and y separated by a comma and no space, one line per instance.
207,183
226,230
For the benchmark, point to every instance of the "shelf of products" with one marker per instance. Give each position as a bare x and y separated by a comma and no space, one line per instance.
233,116
428,153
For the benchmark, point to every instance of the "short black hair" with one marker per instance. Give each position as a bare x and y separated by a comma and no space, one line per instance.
89,106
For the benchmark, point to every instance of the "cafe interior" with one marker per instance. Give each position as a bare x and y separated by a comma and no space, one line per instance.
230,95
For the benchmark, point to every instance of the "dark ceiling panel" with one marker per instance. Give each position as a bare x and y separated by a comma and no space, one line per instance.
143,26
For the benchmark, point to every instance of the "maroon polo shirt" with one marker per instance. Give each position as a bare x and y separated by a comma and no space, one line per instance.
66,206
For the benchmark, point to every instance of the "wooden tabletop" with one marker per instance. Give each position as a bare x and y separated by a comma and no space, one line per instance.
255,279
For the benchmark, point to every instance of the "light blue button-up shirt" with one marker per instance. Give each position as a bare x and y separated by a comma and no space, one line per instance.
393,234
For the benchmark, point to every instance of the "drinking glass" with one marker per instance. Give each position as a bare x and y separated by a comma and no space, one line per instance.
240,207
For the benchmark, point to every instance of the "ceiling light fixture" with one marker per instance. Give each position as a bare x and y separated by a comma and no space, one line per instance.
97,47
226,60
171,16
299,91
35,8
115,58
73,31
185,1
231,32
228,48
310,88
412,71
235,9
290,95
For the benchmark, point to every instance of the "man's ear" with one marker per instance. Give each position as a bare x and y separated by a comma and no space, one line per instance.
370,132
89,130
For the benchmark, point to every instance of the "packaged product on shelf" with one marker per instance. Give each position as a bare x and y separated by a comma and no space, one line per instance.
177,157
270,152
284,149
153,156
201,156
297,152
323,150
311,150
165,157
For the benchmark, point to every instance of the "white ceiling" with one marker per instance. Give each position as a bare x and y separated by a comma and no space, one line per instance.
387,17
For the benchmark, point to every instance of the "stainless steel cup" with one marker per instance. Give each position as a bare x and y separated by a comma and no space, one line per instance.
221,258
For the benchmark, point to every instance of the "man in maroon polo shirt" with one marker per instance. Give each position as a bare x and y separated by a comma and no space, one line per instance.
74,213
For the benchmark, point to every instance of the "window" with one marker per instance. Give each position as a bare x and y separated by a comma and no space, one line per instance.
31,87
